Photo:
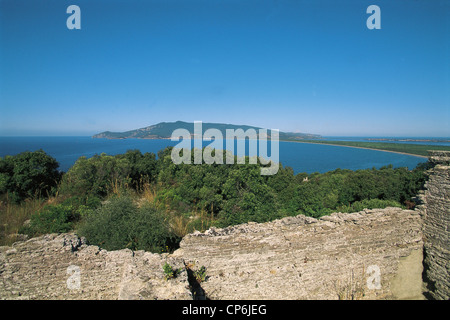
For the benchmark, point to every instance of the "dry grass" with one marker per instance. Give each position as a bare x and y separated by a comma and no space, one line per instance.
148,193
352,288
13,215
181,225
118,187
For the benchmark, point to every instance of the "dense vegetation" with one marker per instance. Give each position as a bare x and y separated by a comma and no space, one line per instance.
141,201
28,174
415,149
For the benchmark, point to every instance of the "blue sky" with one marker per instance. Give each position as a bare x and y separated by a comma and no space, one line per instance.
303,66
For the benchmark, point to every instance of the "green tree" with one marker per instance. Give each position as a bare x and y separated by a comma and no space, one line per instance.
28,174
96,176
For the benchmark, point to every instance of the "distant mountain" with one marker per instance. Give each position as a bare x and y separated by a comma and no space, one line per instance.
164,130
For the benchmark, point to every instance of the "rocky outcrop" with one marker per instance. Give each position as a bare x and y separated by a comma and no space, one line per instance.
65,267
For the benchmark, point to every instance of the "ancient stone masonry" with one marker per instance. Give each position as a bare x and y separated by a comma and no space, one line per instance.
293,258
305,258
47,267
436,229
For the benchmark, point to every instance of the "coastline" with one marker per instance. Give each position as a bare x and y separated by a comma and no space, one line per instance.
339,145
295,141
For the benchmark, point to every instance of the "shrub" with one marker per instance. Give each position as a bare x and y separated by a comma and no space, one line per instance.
89,202
369,204
151,231
52,219
119,224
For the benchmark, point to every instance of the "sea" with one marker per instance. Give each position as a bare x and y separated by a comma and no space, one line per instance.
301,157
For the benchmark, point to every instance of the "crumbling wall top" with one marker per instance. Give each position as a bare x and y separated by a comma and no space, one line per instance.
439,157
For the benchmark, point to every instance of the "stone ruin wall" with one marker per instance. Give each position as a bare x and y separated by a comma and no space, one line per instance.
305,258
46,267
436,230
335,257
292,258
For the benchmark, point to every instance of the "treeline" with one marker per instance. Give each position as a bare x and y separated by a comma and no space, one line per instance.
410,148
28,174
141,201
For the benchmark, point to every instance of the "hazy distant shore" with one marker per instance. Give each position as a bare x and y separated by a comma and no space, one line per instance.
407,140
330,143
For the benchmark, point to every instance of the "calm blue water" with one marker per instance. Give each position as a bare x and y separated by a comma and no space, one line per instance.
302,157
